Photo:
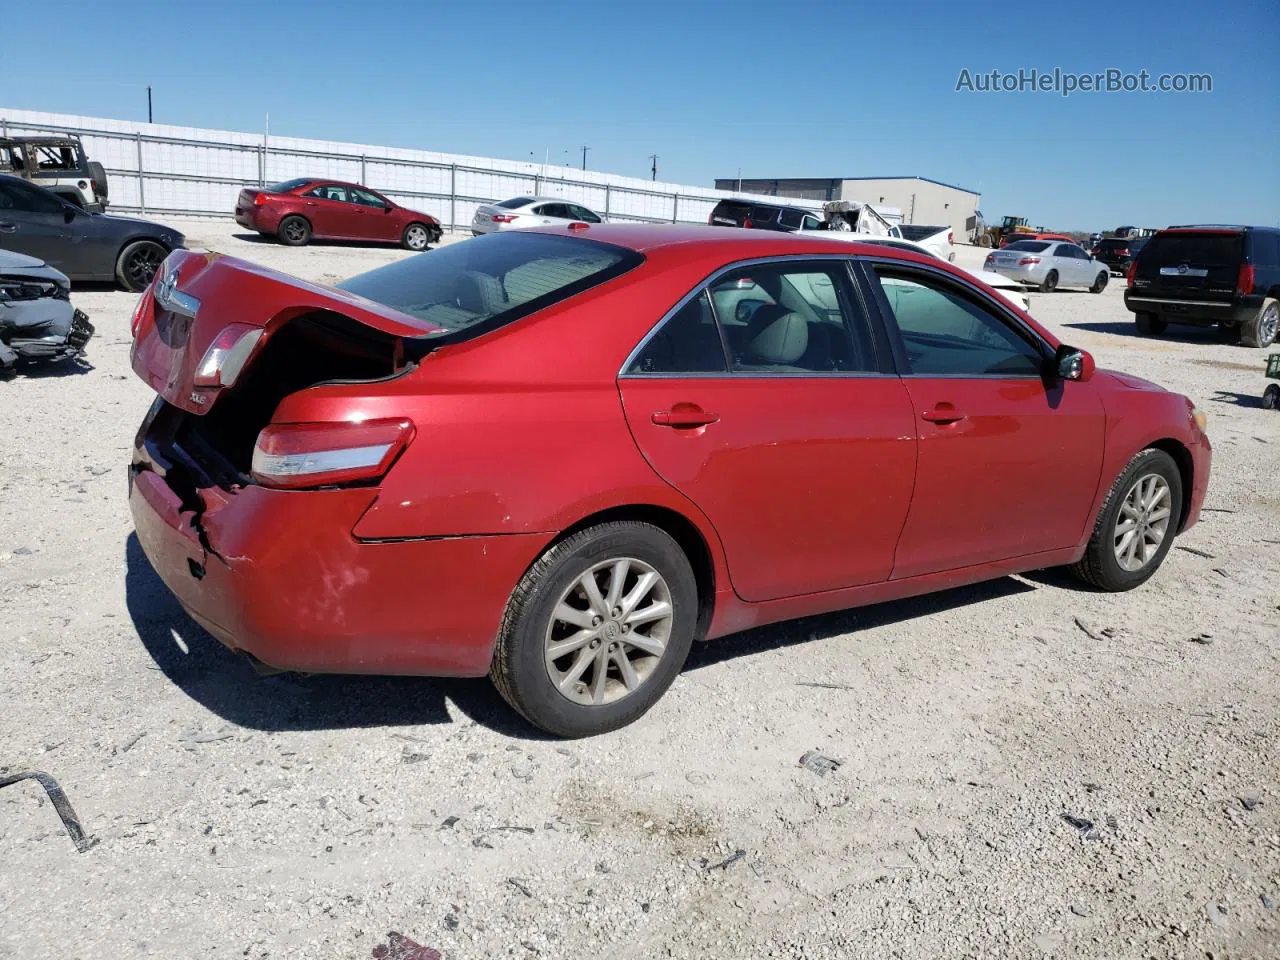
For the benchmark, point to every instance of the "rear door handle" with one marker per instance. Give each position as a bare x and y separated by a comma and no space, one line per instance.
684,415
943,413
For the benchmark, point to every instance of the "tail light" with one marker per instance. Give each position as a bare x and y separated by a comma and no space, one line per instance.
294,455
1122,252
226,356
503,217
711,221
1244,279
1028,261
139,311
746,223
1131,273
259,199
951,237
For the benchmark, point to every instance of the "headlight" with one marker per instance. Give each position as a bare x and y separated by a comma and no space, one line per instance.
1200,417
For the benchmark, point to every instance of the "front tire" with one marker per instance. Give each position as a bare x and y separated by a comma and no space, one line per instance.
294,231
1050,282
1149,325
1100,282
416,236
597,630
1136,525
1260,331
1271,397
137,264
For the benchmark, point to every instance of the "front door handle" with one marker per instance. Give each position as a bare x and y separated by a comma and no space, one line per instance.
943,414
684,415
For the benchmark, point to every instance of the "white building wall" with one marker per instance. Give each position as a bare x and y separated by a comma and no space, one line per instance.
921,201
159,168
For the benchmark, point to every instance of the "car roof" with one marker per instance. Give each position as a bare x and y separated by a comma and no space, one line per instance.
740,243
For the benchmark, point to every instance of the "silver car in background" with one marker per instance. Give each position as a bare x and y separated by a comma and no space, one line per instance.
1048,264
519,212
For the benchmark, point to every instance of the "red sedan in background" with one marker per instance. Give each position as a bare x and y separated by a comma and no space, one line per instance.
559,456
298,211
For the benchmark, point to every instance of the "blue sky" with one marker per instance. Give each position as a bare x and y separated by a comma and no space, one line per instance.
803,88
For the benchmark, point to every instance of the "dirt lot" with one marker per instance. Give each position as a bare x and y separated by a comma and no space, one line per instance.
307,817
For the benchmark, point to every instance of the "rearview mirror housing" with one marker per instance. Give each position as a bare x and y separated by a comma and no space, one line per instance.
1072,363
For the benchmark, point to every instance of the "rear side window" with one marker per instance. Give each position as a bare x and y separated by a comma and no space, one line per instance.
1266,248
469,288
514,203
1198,249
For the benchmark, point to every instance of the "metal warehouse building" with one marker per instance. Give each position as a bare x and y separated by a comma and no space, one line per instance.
920,199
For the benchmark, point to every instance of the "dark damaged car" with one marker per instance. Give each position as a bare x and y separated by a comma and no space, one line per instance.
37,322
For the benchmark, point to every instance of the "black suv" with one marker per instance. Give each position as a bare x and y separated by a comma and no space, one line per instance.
763,216
1229,276
1117,253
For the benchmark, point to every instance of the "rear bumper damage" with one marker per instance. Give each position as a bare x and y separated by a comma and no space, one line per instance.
278,574
40,330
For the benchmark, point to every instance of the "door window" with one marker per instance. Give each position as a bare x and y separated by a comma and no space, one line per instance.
582,213
367,199
949,332
772,318
810,223
330,191
558,210
21,196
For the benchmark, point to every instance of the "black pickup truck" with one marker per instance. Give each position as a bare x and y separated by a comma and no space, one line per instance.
1205,275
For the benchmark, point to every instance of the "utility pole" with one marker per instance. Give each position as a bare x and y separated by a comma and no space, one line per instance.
149,120
585,148
654,169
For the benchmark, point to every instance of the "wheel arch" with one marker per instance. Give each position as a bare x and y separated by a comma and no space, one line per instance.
682,530
301,216
1186,471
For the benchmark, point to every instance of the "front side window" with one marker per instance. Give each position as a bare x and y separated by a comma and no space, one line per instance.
583,214
28,199
947,332
810,223
492,280
367,199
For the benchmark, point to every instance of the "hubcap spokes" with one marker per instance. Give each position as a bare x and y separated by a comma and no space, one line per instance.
1270,321
609,631
1143,522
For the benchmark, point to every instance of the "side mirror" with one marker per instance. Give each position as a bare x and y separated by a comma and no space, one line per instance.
69,212
1071,363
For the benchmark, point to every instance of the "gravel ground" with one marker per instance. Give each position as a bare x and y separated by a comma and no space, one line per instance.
308,816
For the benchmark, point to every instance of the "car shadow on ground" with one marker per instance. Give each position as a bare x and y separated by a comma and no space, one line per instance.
829,625
270,240
1239,399
1183,334
227,685
50,370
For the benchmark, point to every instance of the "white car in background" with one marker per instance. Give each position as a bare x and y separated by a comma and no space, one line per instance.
1048,264
1011,290
520,212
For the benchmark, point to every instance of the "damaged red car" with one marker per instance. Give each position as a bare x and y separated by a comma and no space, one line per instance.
558,457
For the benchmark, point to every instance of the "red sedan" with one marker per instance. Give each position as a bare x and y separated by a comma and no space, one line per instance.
297,211
559,456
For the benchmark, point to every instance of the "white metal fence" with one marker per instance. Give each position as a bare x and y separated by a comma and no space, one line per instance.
187,171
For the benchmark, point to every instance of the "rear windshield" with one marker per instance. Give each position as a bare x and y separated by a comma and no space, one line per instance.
739,210
1117,244
1201,249
514,202
488,281
287,185
1031,246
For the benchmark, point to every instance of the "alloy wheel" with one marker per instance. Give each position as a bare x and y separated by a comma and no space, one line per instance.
1269,324
143,263
1143,522
609,631
294,231
415,238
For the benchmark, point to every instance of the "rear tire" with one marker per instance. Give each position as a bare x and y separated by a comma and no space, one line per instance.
137,264
1100,282
294,231
1050,282
1149,325
1102,565
1260,331
550,608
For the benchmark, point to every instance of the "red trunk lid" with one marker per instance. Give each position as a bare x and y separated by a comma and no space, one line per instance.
196,295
